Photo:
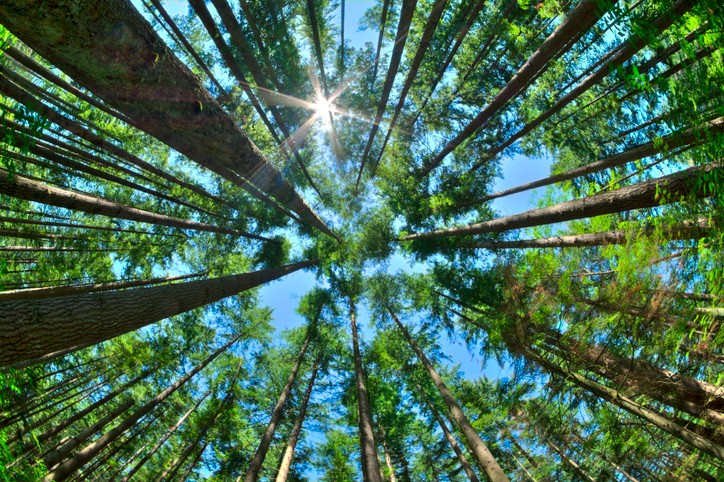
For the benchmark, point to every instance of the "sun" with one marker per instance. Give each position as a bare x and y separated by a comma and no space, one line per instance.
323,106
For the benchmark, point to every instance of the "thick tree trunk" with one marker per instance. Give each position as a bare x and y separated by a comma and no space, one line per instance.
111,50
37,327
24,188
646,194
79,459
286,462
252,473
371,469
687,230
480,451
579,20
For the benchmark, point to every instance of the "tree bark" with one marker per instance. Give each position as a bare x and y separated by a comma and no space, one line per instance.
111,50
687,230
79,459
252,473
36,327
286,462
646,194
480,451
371,469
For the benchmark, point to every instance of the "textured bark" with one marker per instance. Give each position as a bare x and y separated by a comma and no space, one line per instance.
687,230
37,327
371,469
252,473
631,47
579,20
685,139
25,188
67,290
82,457
646,194
403,30
112,51
286,462
480,451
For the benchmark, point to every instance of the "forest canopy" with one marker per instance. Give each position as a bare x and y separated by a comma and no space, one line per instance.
162,162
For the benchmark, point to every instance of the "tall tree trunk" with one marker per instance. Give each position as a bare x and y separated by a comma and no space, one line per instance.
385,449
79,459
371,469
24,188
403,30
252,473
686,230
570,462
683,139
88,41
480,451
631,46
286,462
164,438
52,458
467,468
646,194
578,22
695,397
37,327
616,398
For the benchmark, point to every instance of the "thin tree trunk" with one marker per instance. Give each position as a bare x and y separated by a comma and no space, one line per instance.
80,41
632,46
163,439
24,188
480,451
252,473
578,22
371,469
286,462
52,458
467,468
36,327
646,194
403,30
69,290
570,462
385,449
686,139
432,22
383,25
79,459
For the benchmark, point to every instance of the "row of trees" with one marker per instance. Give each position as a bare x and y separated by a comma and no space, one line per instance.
158,168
